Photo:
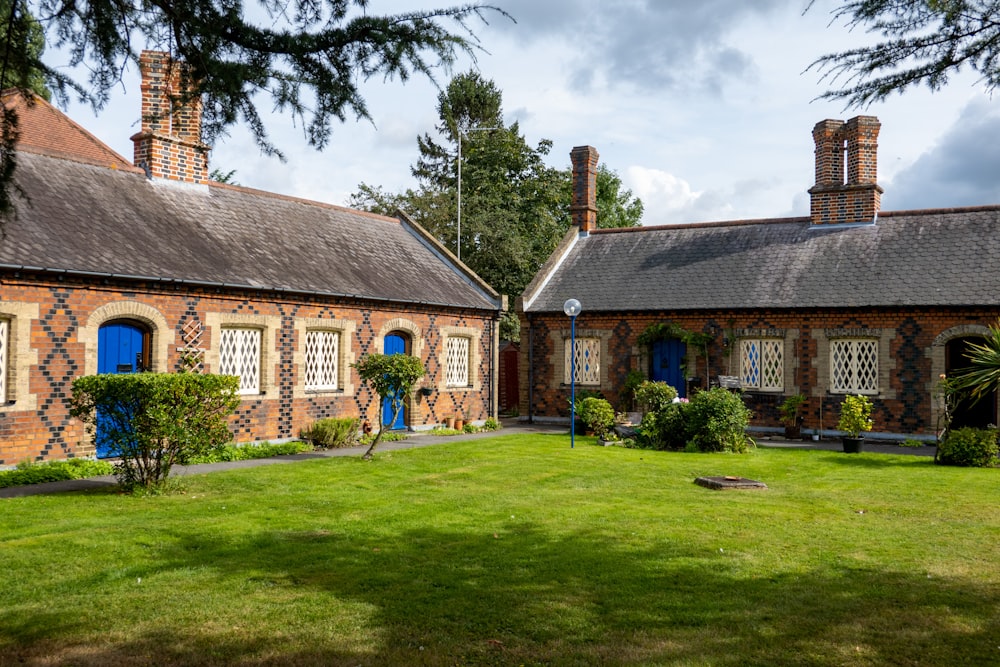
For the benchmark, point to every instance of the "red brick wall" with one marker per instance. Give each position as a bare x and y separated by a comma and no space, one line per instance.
909,368
37,425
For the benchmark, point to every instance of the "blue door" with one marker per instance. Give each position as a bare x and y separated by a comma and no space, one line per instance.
394,344
668,355
119,350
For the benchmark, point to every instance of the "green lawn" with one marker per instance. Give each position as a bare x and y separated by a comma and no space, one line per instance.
515,550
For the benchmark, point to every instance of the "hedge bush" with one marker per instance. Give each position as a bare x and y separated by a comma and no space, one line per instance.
154,420
716,421
29,472
333,432
972,447
598,415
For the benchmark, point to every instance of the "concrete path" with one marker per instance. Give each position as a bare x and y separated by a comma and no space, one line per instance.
510,427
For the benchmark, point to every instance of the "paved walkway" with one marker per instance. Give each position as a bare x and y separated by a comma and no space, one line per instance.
510,427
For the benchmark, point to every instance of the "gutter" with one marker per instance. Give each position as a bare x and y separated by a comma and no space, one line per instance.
239,286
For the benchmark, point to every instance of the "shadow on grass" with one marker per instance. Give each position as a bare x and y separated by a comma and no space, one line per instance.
524,596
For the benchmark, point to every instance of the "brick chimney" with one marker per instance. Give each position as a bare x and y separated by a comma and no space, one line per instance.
584,206
854,144
169,145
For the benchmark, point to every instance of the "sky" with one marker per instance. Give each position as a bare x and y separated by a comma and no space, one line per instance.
705,108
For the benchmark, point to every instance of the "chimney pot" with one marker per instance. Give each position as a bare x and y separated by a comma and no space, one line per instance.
584,206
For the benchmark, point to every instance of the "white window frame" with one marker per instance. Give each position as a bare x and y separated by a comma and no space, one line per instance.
757,355
5,355
862,361
458,356
322,373
585,346
247,370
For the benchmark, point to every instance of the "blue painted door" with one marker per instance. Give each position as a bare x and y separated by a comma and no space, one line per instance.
119,350
668,355
393,345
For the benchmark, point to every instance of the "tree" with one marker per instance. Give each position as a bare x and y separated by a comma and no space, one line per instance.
515,208
23,49
308,57
392,377
982,377
924,42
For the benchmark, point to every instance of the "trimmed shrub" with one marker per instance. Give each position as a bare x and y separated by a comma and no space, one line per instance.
154,420
333,432
491,424
972,447
598,415
716,421
654,396
28,472
665,429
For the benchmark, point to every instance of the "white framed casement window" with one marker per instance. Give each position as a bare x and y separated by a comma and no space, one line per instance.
457,361
854,366
587,354
762,364
322,360
240,355
4,356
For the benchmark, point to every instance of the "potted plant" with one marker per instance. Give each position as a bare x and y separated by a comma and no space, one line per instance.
790,417
855,419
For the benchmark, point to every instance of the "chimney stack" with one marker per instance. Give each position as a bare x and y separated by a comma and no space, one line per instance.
584,206
856,198
169,145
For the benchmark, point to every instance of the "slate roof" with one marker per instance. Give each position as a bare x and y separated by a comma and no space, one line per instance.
100,219
910,258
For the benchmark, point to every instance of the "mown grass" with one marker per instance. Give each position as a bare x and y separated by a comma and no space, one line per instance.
515,550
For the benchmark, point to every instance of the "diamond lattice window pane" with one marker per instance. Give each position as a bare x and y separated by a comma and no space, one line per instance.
239,355
854,366
588,361
750,363
4,344
457,363
322,359
772,366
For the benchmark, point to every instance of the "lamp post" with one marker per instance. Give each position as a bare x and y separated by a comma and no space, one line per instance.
572,308
458,242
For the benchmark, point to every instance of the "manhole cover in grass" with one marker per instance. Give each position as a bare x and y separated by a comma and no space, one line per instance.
729,482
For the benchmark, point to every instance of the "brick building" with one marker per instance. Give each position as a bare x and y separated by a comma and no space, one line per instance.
848,300
113,267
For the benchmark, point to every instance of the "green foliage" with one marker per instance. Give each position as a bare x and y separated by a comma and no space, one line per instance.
263,450
470,428
716,421
391,376
654,396
626,398
664,429
789,409
491,424
855,415
982,376
971,447
25,42
154,420
28,472
388,436
598,415
923,42
910,442
333,432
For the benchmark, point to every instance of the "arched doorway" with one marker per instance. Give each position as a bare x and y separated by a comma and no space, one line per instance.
979,414
395,343
123,346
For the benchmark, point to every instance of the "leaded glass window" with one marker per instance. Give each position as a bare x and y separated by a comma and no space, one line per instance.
322,360
4,346
457,362
762,364
239,355
854,366
588,361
